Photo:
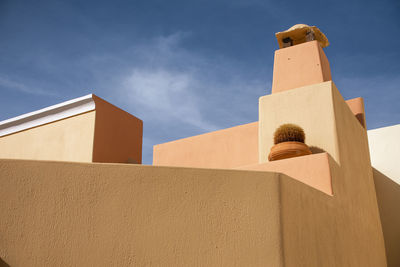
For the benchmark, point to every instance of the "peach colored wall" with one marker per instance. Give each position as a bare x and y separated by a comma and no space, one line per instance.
312,170
107,134
226,148
75,214
300,65
356,105
70,139
323,222
117,135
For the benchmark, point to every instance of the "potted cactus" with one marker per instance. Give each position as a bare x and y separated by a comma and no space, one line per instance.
288,143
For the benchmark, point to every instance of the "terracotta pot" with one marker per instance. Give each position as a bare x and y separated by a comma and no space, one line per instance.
287,150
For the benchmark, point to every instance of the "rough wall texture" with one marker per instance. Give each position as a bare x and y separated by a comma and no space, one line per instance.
75,214
70,139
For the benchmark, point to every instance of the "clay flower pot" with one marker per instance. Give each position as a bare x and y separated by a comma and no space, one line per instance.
287,150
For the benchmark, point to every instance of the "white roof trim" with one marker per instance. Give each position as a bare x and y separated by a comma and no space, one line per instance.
46,115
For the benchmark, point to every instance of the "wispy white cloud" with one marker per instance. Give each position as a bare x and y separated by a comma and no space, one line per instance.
22,87
166,95
180,93
172,83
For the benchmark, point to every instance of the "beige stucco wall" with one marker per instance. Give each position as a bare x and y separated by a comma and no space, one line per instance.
384,145
106,134
310,107
348,224
388,196
69,139
80,214
75,214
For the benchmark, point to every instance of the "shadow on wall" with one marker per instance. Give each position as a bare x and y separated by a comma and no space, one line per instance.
3,263
388,196
316,150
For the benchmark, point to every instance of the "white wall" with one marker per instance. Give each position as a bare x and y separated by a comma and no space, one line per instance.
384,147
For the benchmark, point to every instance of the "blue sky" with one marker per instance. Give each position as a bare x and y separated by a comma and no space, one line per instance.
188,67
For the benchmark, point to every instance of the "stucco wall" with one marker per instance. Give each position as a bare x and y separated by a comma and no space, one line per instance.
384,145
106,134
75,214
227,148
117,135
69,139
388,196
300,65
310,107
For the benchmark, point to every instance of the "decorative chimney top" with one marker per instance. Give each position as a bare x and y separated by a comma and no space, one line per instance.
301,33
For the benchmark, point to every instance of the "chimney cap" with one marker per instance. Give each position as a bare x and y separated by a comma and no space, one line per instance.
301,33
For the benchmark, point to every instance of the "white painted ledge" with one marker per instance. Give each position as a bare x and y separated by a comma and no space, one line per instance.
47,115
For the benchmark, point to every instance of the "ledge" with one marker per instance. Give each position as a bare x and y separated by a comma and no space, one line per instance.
46,115
313,170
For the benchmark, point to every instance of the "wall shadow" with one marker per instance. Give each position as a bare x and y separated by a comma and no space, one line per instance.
388,197
3,263
316,150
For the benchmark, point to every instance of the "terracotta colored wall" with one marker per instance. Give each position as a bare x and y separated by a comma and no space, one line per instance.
226,148
118,135
300,65
356,105
69,139
75,214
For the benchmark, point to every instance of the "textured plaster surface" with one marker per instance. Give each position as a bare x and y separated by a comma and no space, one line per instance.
105,214
300,65
384,147
75,214
226,148
70,139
